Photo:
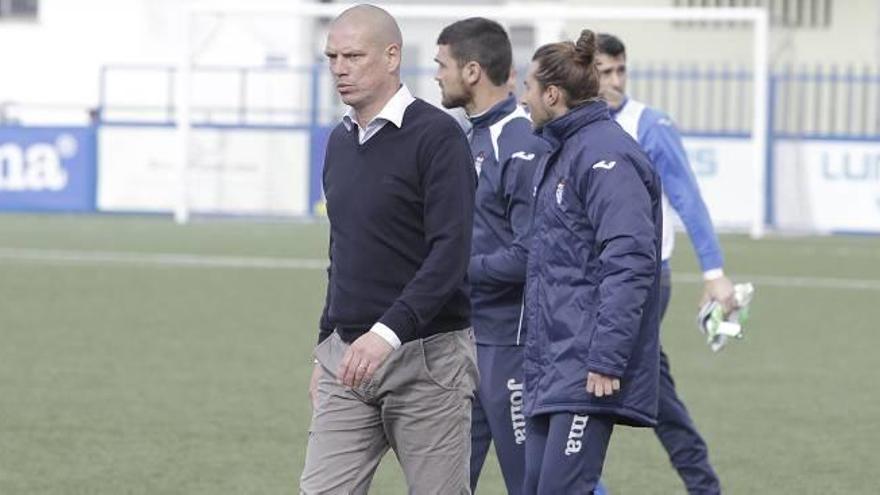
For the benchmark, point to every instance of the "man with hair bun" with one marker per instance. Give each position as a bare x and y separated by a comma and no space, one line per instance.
592,284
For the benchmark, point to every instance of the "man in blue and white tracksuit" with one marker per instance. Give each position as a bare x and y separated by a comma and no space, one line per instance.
662,143
474,62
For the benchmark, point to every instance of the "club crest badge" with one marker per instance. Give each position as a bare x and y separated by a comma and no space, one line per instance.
560,189
478,162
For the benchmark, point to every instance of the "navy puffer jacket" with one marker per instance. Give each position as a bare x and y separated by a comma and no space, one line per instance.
592,288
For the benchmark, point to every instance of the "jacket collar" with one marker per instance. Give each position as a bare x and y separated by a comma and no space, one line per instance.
497,112
561,128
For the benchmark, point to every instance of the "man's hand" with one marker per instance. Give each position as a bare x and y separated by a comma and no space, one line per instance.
313,384
362,359
721,290
600,385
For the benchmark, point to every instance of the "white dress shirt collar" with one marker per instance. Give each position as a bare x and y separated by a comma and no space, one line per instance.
392,112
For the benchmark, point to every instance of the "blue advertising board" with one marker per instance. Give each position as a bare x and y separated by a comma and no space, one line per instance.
318,147
47,169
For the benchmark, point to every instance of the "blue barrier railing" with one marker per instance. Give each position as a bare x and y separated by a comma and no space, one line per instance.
833,102
702,100
820,102
221,96
808,102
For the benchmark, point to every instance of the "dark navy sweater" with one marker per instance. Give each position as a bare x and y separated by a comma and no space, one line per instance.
401,213
505,152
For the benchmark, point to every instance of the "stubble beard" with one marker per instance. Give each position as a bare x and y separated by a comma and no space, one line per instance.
454,101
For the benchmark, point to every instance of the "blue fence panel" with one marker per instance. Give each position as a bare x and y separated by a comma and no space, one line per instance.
47,169
711,100
702,99
818,102
827,103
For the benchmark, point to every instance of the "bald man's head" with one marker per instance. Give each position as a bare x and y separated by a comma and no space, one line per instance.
363,49
377,23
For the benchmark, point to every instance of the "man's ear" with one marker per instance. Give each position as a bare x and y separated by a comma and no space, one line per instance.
471,73
552,95
392,56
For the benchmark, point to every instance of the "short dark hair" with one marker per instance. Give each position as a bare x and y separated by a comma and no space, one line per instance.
570,66
611,45
482,41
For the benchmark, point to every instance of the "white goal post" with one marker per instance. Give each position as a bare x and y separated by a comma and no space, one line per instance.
547,19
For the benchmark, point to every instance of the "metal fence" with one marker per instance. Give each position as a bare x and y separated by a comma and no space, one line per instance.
701,100
818,102
826,102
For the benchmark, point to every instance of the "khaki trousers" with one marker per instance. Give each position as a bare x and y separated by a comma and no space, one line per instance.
418,403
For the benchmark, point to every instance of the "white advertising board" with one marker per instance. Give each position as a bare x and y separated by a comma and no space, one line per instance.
827,186
724,170
233,171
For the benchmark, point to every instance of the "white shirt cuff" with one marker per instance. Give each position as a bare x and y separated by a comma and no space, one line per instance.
713,274
387,334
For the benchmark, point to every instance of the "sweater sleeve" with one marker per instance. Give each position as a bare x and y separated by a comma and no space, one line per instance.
325,326
448,184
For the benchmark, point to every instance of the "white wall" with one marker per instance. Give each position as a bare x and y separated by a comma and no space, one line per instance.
852,37
56,60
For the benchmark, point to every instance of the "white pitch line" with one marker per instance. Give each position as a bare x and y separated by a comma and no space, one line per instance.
158,259
76,257
791,282
837,251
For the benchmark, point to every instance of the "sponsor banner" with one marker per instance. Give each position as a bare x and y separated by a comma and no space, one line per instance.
726,175
232,171
828,185
47,169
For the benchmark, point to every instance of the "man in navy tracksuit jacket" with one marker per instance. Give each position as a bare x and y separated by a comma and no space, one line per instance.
474,61
592,300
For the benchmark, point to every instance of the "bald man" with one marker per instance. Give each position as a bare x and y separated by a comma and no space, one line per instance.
395,364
